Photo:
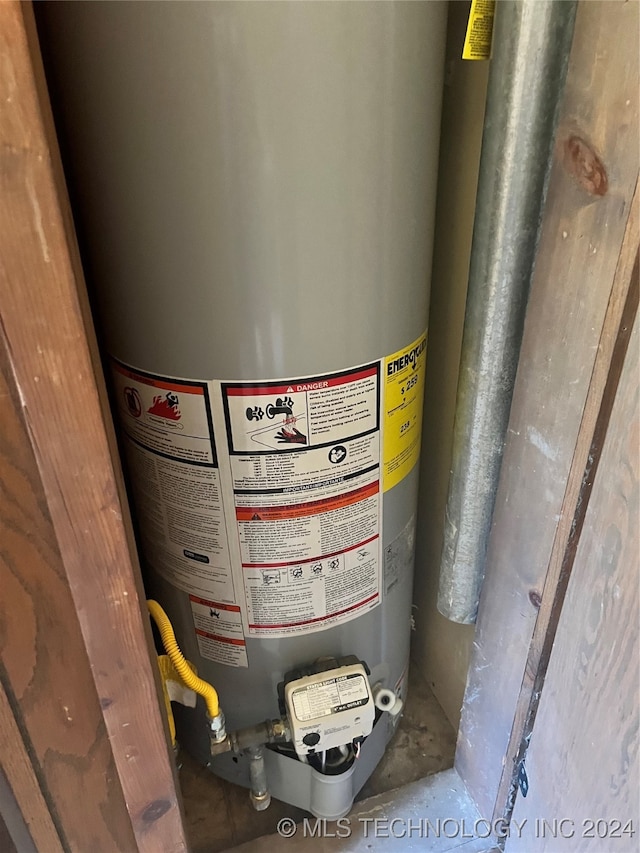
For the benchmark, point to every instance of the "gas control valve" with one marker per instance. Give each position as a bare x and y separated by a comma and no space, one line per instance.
330,705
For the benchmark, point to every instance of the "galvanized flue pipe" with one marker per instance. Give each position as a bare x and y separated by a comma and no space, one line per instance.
532,39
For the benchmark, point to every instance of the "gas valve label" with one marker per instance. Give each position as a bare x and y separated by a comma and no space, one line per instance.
331,696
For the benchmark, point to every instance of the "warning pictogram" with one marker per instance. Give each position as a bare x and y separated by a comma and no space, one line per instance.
133,401
281,409
166,407
337,454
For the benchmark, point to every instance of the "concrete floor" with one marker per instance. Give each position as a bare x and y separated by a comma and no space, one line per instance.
219,815
434,815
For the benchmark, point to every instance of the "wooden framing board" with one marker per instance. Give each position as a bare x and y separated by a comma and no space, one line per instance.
621,314
55,750
583,270
76,643
19,775
582,760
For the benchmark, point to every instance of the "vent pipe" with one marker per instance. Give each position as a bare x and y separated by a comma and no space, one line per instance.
531,44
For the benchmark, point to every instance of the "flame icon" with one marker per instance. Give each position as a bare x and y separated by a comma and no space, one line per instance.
166,407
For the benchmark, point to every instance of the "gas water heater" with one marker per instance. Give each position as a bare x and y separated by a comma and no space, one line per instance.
255,190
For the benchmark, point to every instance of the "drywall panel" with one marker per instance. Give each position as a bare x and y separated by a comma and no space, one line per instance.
442,648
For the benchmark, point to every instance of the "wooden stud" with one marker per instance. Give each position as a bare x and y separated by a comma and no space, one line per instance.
53,357
21,778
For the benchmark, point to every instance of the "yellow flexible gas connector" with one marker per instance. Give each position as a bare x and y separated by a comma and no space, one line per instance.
206,690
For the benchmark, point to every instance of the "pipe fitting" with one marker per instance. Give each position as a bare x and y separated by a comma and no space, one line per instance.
217,728
270,731
386,700
259,794
260,802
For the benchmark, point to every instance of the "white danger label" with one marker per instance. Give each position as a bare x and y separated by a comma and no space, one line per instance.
332,696
305,473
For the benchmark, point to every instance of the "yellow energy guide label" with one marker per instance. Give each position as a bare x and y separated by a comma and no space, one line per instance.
403,378
477,43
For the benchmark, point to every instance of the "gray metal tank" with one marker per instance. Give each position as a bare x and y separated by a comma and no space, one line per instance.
255,187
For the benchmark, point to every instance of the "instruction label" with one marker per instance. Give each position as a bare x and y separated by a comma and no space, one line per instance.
305,470
404,373
329,697
172,459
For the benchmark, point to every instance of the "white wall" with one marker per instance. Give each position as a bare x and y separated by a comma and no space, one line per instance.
442,648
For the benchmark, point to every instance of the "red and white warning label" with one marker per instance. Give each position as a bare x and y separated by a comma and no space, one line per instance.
176,480
305,470
219,631
167,416
302,413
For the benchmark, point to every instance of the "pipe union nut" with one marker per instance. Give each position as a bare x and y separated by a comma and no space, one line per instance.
217,728
260,802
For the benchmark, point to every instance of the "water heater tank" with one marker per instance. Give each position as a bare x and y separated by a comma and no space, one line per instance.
255,188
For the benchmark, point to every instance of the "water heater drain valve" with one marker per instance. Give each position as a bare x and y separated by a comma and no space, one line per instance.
329,707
